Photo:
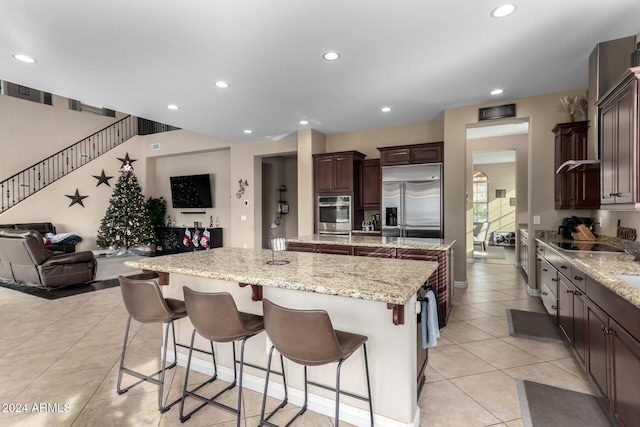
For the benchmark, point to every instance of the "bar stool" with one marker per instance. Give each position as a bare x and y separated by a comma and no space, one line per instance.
145,303
216,318
307,337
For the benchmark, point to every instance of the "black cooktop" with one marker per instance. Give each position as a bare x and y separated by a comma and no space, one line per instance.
587,246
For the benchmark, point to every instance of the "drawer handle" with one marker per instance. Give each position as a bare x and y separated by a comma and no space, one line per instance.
606,330
544,293
554,280
554,307
578,278
577,293
545,270
569,291
564,267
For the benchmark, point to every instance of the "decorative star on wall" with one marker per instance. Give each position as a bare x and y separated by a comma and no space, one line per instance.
76,198
102,179
127,159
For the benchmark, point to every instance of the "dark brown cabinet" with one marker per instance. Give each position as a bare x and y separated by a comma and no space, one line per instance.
578,188
571,315
619,139
370,184
432,152
596,363
625,375
337,173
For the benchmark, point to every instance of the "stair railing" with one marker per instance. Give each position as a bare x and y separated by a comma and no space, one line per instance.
29,181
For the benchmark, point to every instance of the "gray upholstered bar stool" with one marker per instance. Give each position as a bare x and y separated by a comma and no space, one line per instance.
216,318
145,303
307,337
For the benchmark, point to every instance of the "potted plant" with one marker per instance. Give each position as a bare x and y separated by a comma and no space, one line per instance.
157,208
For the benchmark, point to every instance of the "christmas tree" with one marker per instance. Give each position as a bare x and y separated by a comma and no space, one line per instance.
126,223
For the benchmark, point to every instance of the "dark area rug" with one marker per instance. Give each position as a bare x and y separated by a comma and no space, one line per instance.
547,406
56,293
532,325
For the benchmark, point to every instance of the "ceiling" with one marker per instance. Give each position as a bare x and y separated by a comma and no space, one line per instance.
418,57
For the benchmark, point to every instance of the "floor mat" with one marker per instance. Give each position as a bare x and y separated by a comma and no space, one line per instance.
547,406
67,291
532,325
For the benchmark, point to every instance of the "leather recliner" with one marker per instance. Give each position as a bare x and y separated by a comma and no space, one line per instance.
24,258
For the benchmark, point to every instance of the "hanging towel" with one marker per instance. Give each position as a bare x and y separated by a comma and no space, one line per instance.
430,331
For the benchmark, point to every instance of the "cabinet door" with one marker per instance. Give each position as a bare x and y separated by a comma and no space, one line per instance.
625,376
596,360
375,252
343,169
323,173
335,249
426,154
565,307
625,159
301,247
396,156
607,152
370,184
563,181
579,324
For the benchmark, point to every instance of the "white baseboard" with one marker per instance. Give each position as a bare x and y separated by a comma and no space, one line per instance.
315,403
533,292
460,284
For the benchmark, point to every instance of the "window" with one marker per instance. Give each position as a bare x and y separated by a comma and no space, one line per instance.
480,197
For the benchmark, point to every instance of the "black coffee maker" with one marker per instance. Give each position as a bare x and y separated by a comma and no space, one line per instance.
376,221
568,226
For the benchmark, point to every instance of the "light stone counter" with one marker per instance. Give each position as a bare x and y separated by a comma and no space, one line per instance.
603,268
376,241
392,281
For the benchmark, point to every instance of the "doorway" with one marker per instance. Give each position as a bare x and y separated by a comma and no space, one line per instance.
279,197
497,173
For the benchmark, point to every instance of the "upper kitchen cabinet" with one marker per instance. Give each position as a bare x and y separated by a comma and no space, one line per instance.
370,184
577,188
619,140
337,172
412,154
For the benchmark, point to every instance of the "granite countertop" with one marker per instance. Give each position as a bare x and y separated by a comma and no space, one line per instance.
603,267
392,281
376,241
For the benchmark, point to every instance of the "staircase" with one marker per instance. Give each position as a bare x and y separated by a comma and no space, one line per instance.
29,181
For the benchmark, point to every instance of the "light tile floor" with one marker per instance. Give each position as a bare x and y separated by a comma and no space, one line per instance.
67,351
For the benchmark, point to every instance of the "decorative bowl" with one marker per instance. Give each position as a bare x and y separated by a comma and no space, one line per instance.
277,244
632,248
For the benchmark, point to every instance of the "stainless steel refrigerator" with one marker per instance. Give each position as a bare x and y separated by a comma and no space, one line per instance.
412,201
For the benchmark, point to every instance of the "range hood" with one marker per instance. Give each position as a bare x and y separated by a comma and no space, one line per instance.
573,164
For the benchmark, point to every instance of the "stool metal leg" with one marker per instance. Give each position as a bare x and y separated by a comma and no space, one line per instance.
366,367
337,417
263,420
149,378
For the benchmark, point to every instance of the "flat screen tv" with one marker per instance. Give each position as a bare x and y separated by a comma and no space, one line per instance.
191,191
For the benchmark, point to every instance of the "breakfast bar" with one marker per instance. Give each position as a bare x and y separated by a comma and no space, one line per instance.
369,296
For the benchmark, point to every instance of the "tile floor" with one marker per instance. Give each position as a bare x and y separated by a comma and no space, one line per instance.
67,351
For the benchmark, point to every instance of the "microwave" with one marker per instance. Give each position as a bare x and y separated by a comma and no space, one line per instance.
334,215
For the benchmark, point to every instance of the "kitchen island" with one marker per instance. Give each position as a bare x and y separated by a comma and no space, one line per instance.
373,297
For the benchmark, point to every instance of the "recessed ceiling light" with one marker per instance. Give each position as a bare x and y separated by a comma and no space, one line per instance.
173,107
222,84
24,58
304,122
385,109
504,10
248,131
331,56
497,92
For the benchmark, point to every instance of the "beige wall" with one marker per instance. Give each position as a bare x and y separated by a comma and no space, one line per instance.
31,131
367,141
543,114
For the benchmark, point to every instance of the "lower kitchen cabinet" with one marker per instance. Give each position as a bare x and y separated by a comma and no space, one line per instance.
603,329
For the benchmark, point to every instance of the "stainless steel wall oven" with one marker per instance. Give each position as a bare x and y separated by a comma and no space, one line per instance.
334,215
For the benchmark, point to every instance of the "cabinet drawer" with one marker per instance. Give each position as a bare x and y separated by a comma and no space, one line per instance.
398,156
301,247
375,252
579,278
540,250
549,277
563,266
549,299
